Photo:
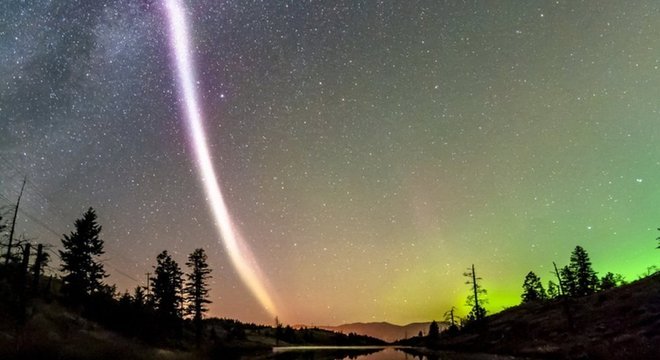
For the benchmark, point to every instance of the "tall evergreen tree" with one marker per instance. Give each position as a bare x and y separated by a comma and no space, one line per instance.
196,288
167,284
586,281
80,258
553,290
568,281
434,331
532,289
139,297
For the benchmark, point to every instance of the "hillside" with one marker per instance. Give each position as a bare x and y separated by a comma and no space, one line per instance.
620,323
56,331
383,330
53,331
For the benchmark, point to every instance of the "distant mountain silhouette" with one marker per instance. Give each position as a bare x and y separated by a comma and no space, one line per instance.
384,330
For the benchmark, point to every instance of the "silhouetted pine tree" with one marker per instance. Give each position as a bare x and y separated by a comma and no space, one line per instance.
434,331
586,281
139,297
167,287
125,301
553,290
532,289
607,281
196,289
83,270
568,281
143,321
476,299
611,280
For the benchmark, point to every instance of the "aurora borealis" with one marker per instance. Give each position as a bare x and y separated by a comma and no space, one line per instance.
369,151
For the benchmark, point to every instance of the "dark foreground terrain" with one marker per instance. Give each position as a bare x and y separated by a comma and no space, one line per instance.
54,331
620,323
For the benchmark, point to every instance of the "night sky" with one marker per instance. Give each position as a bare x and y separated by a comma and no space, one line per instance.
369,151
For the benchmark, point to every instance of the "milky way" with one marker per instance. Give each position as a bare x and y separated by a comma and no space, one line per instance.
368,151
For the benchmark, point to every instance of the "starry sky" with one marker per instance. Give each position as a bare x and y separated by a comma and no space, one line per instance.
369,151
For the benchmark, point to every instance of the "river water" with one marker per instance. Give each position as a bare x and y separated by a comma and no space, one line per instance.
363,353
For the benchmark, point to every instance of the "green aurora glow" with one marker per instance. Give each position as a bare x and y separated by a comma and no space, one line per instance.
371,152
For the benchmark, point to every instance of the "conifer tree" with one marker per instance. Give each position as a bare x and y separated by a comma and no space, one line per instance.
125,300
611,280
80,263
568,281
586,281
607,281
196,288
139,297
434,331
532,288
40,262
553,290
167,287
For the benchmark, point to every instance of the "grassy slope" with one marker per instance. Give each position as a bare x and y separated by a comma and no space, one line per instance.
53,332
620,323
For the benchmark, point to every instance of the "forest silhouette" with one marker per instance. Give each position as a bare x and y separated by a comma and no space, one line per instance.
170,312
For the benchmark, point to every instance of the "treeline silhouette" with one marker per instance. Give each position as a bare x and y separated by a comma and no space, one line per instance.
169,312
166,312
575,280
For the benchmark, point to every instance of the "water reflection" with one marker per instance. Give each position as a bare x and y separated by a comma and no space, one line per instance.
339,353
355,353
366,353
